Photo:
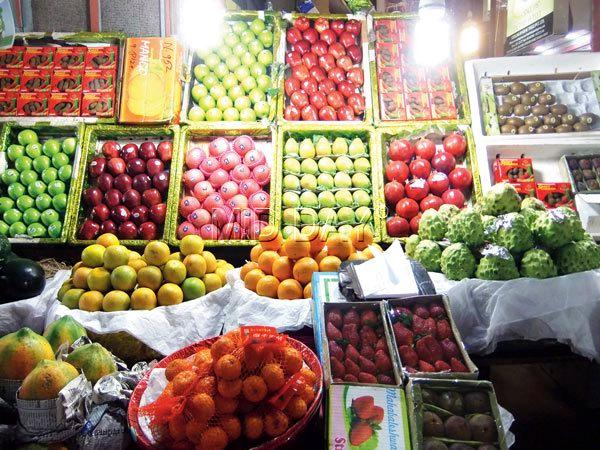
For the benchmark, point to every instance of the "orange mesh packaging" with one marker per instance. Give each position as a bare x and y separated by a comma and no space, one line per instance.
249,387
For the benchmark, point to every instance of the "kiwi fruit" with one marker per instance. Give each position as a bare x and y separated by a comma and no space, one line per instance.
505,109
545,129
588,118
460,446
501,89
430,397
521,110
458,428
432,424
528,99
517,88
533,121
526,129
559,110
568,119
581,126
511,100
546,99
573,163
434,444
536,87
508,129
564,128
515,121
502,120
540,110
452,401
483,428
551,119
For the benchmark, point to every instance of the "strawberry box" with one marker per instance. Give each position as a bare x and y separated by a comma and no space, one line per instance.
513,170
417,106
356,344
39,57
555,194
392,104
525,188
101,104
69,57
426,338
438,79
390,79
388,54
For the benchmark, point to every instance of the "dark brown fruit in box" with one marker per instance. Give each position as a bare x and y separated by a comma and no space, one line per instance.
501,89
577,174
434,444
581,186
487,447
517,88
521,110
515,121
505,109
536,87
511,100
596,162
573,163
502,120
508,129
559,110
588,174
592,184
460,446
581,126
457,427
528,99
430,397
564,128
545,129
526,129
585,163
540,110
452,401
551,119
588,118
568,119
546,99
476,402
432,424
483,428
533,121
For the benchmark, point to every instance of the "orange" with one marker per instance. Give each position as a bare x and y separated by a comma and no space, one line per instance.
247,268
289,290
214,438
282,268
253,426
357,256
194,429
206,385
307,292
267,286
232,426
176,366
308,375
270,238
201,406
296,408
308,394
225,405
265,261
314,236
252,358
276,423
303,270
177,427
322,254
330,264
229,388
339,245
292,361
297,246
223,346
251,279
273,375
228,367
244,406
361,236
282,252
255,252
183,381
254,389
203,358
107,239
372,250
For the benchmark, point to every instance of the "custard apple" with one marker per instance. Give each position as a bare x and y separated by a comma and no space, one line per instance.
466,227
458,262
432,226
488,226
496,264
533,203
428,253
447,211
557,227
502,198
574,222
410,244
511,231
577,257
537,263
530,216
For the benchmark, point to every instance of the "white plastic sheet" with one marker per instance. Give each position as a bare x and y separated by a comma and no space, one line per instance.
31,312
564,308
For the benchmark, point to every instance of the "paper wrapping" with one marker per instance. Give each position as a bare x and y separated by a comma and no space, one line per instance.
226,129
44,130
92,134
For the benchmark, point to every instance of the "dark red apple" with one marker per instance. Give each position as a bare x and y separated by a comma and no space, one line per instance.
151,197
111,149
347,88
141,182
311,35
92,196
136,166
129,151
398,227
89,229
347,39
326,86
120,214
353,26
165,151
438,183
161,181
393,192
355,54
100,213
326,62
328,36
443,162
97,166
127,230
132,198
337,26
431,202
309,112
293,35
105,181
319,48
291,113
148,231
302,47
113,197
108,226
337,50
158,213
302,23
317,73
154,166
337,75
123,182
357,103
147,150
140,214
116,166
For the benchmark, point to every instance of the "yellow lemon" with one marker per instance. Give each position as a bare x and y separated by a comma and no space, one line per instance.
212,282
150,277
211,261
169,294
195,265
92,255
191,244
137,264
91,301
156,253
99,279
116,301
174,271
143,298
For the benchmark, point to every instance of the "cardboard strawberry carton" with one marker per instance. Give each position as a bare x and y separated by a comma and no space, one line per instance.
390,79
513,170
66,104
99,80
367,417
392,106
417,106
101,57
33,104
388,54
12,58
10,80
36,80
39,58
67,80
556,194
100,104
69,57
442,105
8,103
525,188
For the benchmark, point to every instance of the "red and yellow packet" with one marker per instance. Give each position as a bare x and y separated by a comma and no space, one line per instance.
388,54
442,105
513,170
39,58
438,79
98,104
36,80
414,79
525,188
69,57
556,194
67,80
10,80
99,80
390,79
8,103
103,58
33,104
12,58
66,104
392,106
417,106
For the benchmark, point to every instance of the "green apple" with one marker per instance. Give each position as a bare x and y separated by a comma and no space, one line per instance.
14,151
10,176
221,70
327,216
214,115
291,182
210,80
12,215
59,160
247,59
231,39
223,51
59,202
233,62
229,81
308,216
345,230
235,92
15,190
361,198
201,71
327,199
65,172
343,197
30,216
290,200
309,166
69,145
291,165
256,95
266,38
263,82
51,147
325,181
231,114
4,228
357,147
248,84
309,199
196,114
257,26
36,230
239,26
17,228
246,37
255,47
291,147
363,214
6,203
247,115
24,202
28,176
239,49
361,180
43,201
340,146
262,109
199,91
289,230
362,165
224,102
265,57
218,91
344,164
41,163
55,229
309,182
291,216
49,216
345,215
56,187
257,69
212,60
242,102
323,147
241,73
207,102
326,165
26,137
342,180
307,149
23,163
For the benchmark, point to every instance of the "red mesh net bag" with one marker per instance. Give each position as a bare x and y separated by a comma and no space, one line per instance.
250,385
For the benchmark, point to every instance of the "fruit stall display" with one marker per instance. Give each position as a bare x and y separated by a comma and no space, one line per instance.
328,176
224,187
68,77
454,414
36,192
237,81
124,182
404,90
425,167
327,79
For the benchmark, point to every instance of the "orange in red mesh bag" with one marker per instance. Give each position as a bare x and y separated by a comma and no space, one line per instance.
250,384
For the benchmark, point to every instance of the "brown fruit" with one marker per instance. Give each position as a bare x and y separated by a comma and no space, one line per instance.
536,87
580,126
505,109
546,99
540,110
564,128
457,428
528,99
483,428
533,121
515,121
517,88
508,129
568,119
551,119
501,89
432,424
558,109
521,110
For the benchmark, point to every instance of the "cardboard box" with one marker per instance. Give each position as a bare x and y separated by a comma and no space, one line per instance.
414,79
66,80
388,54
417,106
8,103
390,79
556,194
392,105
66,104
101,57
99,104
99,80
386,412
36,80
442,105
10,80
33,104
69,57
438,79
12,58
513,170
39,58
525,188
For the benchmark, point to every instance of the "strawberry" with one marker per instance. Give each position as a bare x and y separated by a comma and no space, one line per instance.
368,336
352,353
350,378
430,326
411,370
369,318
332,332
381,344
335,317
360,432
382,362
364,377
351,367
443,329
450,349
429,350
351,317
408,356
363,406
377,415
337,368
367,366
418,326
384,379
350,333
457,366
336,350
441,366
437,311
424,366
367,351
403,335
404,315
338,380
421,311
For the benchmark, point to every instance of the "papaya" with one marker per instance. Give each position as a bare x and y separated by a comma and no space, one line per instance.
46,380
64,330
20,352
64,288
93,360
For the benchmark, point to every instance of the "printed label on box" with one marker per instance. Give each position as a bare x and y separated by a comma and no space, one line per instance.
556,194
33,104
65,104
388,55
389,30
10,80
98,104
101,57
69,57
99,80
438,79
390,79
442,105
392,106
525,188
36,80
414,80
8,103
12,58
39,57
417,106
67,80
513,169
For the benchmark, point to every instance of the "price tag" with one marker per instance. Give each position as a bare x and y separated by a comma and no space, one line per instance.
285,394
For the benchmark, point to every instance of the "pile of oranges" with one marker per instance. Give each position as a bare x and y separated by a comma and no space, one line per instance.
226,388
283,269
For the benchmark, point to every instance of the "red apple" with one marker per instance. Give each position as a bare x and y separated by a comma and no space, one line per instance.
353,26
425,148
327,86
113,197
147,150
347,39
293,58
116,166
460,178
92,196
299,99
337,26
337,75
141,182
344,62
346,88
309,112
337,50
356,75
97,166
310,60
127,230
124,182
165,151
327,113
293,35
300,72
317,73
326,62
209,232
148,231
155,165
310,35
438,183
310,85
355,53
291,113
291,85
407,208
110,149
454,197
398,227
151,197
100,213
158,213
302,47
318,100
335,99
393,192
232,231
431,202
89,229
135,166
328,36
120,214
357,103
139,214
302,23
132,198
222,215
319,48
420,168
344,112
321,24
161,181
108,226
105,181
129,151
